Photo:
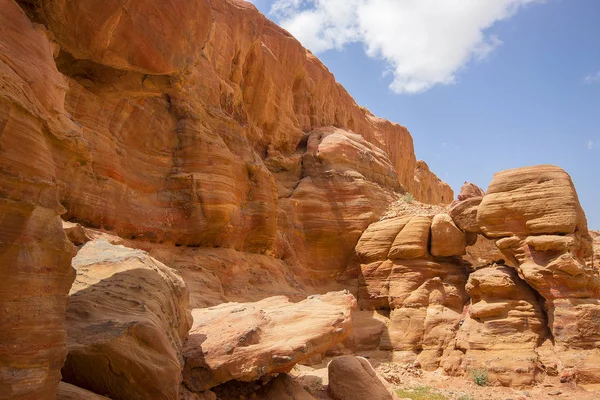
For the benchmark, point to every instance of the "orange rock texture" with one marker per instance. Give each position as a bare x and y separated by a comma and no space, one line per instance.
126,323
190,123
521,303
208,140
248,341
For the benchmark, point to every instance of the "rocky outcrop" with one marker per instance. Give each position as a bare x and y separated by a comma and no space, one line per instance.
202,125
420,295
35,269
126,324
249,341
446,239
353,378
505,324
535,215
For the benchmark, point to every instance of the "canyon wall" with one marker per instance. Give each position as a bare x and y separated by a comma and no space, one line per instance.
194,124
207,136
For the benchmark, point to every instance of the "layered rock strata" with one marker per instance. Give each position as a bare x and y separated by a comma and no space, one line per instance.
126,323
35,254
186,124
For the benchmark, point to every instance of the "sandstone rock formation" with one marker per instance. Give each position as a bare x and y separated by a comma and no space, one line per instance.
423,295
505,324
126,324
205,134
544,233
35,269
283,388
186,124
248,341
353,378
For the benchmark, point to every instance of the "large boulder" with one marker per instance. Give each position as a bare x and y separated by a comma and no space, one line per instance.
353,378
446,239
376,241
126,324
413,239
248,341
531,201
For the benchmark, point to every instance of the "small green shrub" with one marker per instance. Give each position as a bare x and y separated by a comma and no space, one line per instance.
466,397
408,198
480,377
420,393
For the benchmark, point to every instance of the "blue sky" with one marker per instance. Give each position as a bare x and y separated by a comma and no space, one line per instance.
487,89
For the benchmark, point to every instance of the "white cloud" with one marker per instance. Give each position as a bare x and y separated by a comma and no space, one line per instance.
590,145
592,78
423,42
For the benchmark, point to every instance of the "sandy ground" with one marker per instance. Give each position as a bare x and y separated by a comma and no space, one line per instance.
314,379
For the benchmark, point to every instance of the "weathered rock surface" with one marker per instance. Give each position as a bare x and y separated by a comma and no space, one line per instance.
35,269
247,341
464,214
446,239
531,201
353,378
469,190
67,391
184,124
543,232
413,240
126,323
505,324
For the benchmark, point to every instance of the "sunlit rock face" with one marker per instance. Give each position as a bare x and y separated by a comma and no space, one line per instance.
522,302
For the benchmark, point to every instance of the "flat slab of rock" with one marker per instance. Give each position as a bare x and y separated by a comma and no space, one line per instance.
246,341
126,324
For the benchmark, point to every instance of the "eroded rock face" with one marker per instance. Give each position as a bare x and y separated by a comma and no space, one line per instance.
126,323
544,234
247,341
35,269
505,324
446,239
423,296
147,36
531,201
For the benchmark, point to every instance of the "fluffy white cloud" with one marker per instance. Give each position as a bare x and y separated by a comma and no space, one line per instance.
423,42
592,78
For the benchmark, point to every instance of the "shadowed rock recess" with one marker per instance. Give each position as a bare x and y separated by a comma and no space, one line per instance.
191,205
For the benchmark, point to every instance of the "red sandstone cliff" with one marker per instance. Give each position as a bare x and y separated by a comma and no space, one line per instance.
191,123
205,134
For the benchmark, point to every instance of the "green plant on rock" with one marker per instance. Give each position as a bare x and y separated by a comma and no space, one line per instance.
480,376
408,197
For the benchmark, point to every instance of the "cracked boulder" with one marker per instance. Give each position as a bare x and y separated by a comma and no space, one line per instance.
250,341
126,324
